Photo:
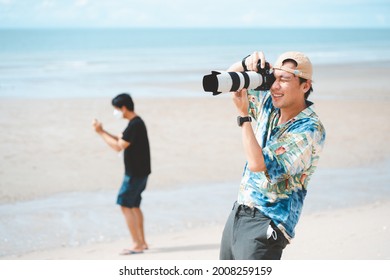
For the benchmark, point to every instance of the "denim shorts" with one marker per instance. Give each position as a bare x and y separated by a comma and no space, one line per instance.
130,192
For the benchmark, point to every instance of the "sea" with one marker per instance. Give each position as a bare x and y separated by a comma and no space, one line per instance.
95,63
84,63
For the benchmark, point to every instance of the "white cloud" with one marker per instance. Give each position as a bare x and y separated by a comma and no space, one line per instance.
81,2
47,3
381,19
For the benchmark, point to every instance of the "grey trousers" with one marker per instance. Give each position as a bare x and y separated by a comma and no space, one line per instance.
249,235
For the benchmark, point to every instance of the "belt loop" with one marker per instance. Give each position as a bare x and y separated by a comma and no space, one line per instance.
236,208
253,212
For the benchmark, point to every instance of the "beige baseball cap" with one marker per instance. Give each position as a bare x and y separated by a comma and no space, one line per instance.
304,68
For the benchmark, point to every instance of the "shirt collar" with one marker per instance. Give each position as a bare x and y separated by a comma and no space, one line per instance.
307,112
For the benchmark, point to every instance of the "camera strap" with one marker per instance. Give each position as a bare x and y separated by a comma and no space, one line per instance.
243,62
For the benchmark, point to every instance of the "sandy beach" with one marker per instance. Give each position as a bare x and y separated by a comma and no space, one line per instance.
332,235
49,150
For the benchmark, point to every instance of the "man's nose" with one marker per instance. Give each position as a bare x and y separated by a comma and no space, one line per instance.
275,85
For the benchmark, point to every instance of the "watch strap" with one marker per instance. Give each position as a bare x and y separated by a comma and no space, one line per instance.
241,120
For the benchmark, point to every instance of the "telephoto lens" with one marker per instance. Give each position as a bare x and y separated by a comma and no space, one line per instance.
218,82
223,81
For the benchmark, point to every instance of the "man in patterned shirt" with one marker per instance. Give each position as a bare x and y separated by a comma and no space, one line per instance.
282,154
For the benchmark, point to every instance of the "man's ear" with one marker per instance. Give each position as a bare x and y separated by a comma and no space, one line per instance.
306,86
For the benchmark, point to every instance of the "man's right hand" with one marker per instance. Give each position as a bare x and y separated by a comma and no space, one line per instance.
98,126
240,99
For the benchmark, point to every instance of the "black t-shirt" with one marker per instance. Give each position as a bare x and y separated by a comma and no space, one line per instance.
137,154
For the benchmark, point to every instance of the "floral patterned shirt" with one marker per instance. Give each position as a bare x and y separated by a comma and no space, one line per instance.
291,152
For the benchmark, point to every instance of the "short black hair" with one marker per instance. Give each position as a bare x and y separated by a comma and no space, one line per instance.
301,80
123,99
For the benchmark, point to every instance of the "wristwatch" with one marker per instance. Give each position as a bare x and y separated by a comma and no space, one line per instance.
241,120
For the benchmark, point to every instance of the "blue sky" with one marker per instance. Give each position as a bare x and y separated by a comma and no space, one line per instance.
194,13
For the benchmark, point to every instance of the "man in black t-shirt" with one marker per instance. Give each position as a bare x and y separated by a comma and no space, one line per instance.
134,141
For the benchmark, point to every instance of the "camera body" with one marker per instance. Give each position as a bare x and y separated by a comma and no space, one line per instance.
223,81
